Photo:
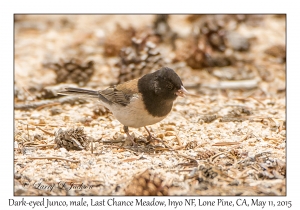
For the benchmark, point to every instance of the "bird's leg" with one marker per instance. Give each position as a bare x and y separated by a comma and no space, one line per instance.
126,130
151,137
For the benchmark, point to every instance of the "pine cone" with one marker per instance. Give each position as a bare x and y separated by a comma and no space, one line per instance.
237,153
121,37
146,184
191,145
277,51
239,112
198,53
72,139
139,59
163,30
208,172
240,71
212,27
72,71
206,45
205,155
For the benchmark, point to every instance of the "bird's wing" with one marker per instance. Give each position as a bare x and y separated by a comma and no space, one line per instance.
116,96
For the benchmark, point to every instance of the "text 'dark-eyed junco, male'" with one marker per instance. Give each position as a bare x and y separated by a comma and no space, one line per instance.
138,102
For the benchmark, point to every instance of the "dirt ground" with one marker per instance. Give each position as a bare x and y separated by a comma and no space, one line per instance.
227,138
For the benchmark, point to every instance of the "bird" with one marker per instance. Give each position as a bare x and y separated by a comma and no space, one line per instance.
138,102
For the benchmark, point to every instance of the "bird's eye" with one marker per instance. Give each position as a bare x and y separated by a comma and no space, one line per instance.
170,85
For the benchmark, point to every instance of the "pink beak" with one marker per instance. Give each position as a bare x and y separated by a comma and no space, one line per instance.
181,92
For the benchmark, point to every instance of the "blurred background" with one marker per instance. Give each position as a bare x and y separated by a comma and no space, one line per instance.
227,138
232,53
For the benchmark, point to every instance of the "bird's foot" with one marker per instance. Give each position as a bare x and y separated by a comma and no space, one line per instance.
129,137
150,137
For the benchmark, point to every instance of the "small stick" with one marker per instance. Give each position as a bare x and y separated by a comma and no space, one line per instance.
31,105
21,118
178,140
111,146
23,169
28,92
258,101
245,136
224,143
44,145
238,105
92,145
51,158
273,138
216,155
272,122
27,132
280,126
240,84
163,149
46,132
25,143
46,105
52,125
67,99
178,147
187,157
113,141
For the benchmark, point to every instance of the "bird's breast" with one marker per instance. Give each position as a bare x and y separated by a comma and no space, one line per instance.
134,114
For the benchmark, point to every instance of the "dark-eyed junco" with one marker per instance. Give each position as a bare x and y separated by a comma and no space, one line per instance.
139,102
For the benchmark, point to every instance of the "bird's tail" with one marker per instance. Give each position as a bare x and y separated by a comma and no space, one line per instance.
80,92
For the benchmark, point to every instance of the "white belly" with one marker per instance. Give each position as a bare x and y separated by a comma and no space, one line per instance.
134,115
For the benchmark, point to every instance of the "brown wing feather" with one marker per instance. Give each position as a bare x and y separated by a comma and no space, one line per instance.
118,94
121,94
115,96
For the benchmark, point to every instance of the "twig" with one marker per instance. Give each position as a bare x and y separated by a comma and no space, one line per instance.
238,105
162,149
23,169
110,146
187,157
28,92
258,101
92,145
216,155
62,100
178,140
27,132
51,134
25,143
113,141
47,105
21,118
240,84
272,122
233,119
52,125
51,158
280,126
44,145
224,143
130,159
178,147
245,137
32,105
273,138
